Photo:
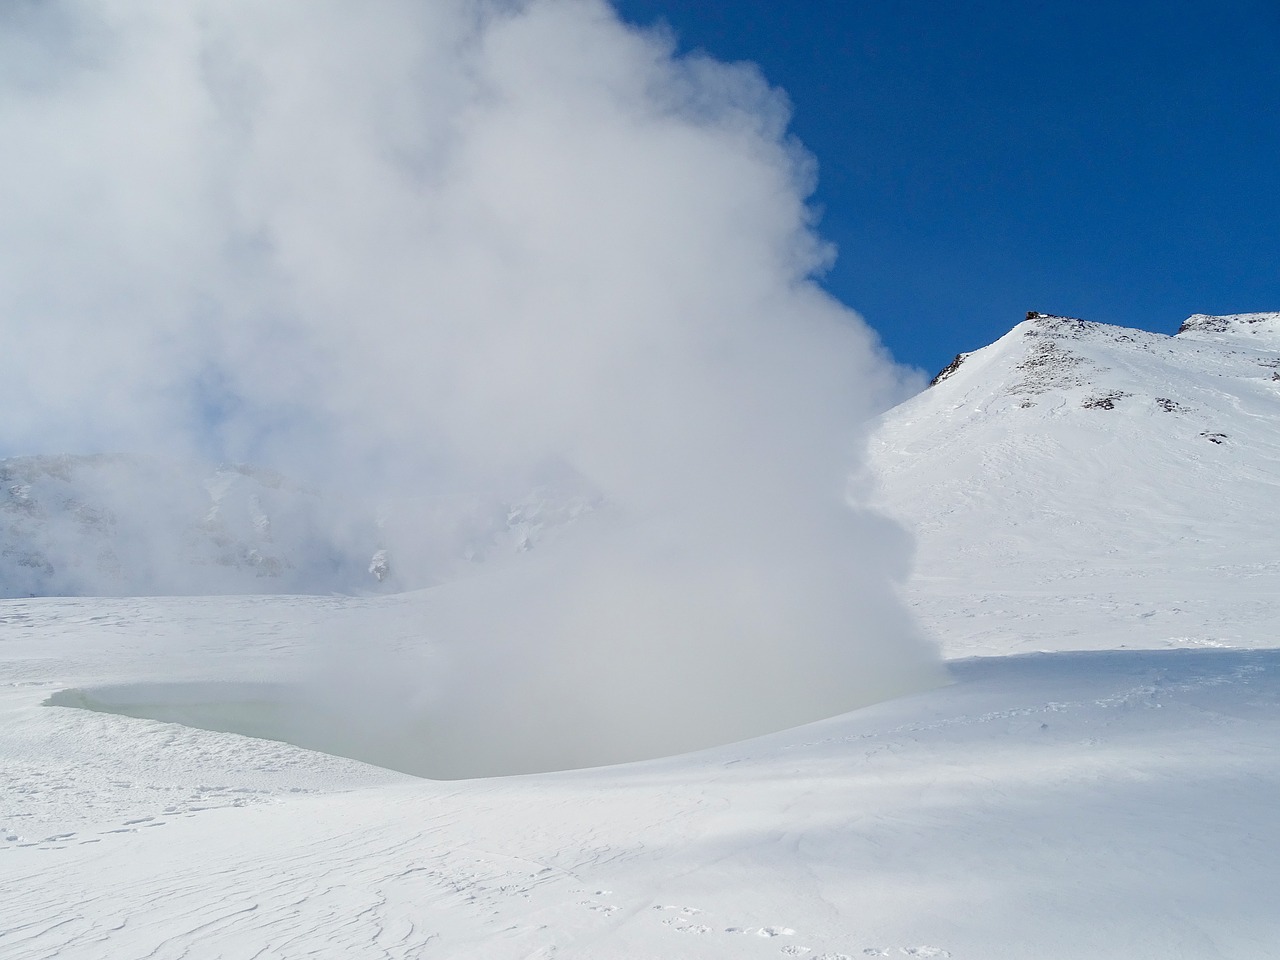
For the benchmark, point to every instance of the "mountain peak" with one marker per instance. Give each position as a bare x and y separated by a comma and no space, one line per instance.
1045,351
1048,352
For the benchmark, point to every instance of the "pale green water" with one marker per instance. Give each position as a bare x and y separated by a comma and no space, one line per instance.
372,733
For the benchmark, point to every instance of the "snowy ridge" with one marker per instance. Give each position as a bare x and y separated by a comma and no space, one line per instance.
1080,459
1232,326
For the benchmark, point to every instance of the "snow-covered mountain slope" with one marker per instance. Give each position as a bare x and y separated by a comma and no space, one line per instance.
116,525
1080,468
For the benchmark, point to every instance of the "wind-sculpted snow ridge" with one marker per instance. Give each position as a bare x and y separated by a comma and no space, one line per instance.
1073,459
116,525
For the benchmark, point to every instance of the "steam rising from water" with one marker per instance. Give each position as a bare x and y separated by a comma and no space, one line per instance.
399,248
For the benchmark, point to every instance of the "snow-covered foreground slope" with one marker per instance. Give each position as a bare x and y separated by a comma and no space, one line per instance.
1113,804
1078,485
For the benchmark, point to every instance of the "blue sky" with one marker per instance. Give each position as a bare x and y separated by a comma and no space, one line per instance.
1114,161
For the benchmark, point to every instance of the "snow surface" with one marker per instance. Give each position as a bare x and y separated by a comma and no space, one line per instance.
1112,797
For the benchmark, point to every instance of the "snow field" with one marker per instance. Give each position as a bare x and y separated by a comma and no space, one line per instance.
1111,804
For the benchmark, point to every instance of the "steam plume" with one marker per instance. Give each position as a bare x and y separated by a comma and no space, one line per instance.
406,247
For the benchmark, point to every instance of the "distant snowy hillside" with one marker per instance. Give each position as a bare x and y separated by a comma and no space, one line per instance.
1083,462
115,525
119,525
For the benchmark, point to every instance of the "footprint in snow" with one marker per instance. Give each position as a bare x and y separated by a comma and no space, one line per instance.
681,921
763,931
675,923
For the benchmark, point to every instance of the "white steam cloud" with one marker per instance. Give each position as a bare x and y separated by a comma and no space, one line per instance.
408,247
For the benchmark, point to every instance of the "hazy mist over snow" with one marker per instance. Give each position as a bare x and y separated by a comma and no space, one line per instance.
404,247
542,294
